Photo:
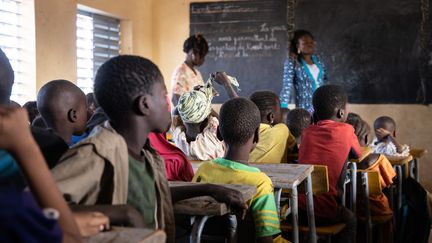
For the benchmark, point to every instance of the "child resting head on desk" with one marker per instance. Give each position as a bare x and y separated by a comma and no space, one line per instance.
240,120
276,141
330,142
385,141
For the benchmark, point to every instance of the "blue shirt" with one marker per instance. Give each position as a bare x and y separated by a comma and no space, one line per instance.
10,173
297,74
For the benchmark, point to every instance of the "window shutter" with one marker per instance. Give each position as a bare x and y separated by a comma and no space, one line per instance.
98,39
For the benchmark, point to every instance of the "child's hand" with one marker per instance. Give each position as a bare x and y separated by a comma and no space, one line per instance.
382,133
14,128
90,223
221,78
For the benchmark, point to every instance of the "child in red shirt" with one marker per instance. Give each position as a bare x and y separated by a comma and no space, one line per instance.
330,142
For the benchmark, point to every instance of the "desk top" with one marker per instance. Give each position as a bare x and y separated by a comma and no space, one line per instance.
207,205
397,160
285,176
127,235
418,153
365,151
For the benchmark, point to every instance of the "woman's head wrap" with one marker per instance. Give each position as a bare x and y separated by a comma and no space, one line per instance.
195,106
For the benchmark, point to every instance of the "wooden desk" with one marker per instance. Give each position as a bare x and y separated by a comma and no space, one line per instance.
365,151
200,209
417,154
128,235
289,176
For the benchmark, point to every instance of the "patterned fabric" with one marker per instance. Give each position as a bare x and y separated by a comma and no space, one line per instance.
184,79
389,149
206,145
297,74
195,106
142,190
263,205
274,144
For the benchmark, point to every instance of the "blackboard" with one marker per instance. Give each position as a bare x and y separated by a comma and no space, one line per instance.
373,48
247,39
380,51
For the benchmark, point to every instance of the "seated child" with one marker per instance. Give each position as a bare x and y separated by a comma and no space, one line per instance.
385,141
330,142
197,136
32,110
92,105
297,120
276,141
240,121
63,107
379,204
116,164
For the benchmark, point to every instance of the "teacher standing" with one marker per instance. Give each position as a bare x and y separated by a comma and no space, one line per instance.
186,76
303,69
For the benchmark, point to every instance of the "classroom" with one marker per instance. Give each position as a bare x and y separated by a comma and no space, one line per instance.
48,51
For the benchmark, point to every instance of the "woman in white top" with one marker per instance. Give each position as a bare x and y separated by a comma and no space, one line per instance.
186,76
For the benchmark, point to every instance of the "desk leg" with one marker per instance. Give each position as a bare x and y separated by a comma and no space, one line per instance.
400,178
365,185
310,210
278,195
354,187
198,227
294,214
417,169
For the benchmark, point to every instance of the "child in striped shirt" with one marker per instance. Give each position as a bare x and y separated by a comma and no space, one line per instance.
239,126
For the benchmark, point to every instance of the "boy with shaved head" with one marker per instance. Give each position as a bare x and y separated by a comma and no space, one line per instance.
63,107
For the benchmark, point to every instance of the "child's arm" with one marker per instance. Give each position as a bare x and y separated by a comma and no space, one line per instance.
381,132
16,139
120,215
231,197
222,79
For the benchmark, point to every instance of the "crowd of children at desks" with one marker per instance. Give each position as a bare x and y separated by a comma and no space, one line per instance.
87,175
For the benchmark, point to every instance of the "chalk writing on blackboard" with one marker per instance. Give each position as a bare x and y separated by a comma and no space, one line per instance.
247,39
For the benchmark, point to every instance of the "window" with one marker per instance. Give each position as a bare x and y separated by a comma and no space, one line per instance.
98,39
17,40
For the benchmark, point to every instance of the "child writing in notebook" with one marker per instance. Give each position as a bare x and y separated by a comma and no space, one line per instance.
330,142
240,120
276,141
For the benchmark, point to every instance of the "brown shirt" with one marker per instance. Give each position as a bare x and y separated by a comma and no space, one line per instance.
96,170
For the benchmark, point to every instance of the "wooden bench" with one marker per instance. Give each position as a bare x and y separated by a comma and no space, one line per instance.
127,235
